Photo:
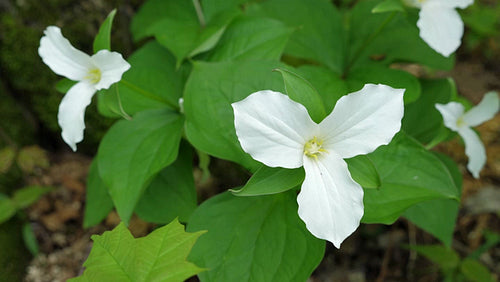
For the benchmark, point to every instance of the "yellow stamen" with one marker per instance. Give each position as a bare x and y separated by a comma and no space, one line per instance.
460,122
314,147
94,76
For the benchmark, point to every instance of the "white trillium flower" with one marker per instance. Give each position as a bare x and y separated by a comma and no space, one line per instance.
279,132
93,73
455,119
440,24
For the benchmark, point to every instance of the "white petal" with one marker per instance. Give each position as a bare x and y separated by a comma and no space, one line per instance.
112,66
330,202
273,129
452,3
451,113
363,121
474,149
484,111
64,59
441,28
72,112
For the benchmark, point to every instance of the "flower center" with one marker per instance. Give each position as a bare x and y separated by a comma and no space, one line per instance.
314,147
460,122
94,76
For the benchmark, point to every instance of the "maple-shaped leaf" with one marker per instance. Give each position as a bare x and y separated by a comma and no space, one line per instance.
159,256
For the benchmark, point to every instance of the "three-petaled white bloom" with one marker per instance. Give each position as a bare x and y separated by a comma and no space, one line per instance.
440,24
278,132
455,119
93,73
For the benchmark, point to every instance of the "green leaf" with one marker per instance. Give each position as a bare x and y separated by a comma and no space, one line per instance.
319,34
422,120
160,256
398,41
446,258
301,91
172,192
329,84
26,196
475,271
388,6
392,77
102,40
364,172
7,209
153,82
175,25
424,214
98,202
132,152
213,7
63,85
254,239
252,38
271,180
208,95
30,239
409,175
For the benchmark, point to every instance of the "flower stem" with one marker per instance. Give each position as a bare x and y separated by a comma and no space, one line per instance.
368,41
199,13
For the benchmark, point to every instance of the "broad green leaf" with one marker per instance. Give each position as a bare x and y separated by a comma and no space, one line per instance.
132,152
422,120
7,209
424,214
30,239
475,271
383,75
172,192
319,34
102,40
26,196
152,82
254,239
252,38
329,84
364,172
155,10
388,6
63,85
301,91
409,175
397,41
212,7
98,202
160,256
271,180
7,156
446,258
175,25
208,95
